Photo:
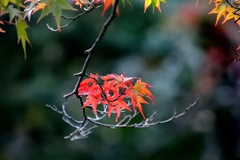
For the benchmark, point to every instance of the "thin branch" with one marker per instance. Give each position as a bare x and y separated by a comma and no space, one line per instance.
147,122
83,128
71,20
64,114
90,51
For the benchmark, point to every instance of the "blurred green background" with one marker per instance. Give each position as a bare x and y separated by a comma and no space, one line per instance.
179,52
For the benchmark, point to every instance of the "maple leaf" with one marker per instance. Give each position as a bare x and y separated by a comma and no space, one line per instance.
107,4
51,6
120,80
21,27
223,9
90,88
13,13
140,90
155,4
15,2
137,102
39,6
230,15
113,93
89,85
117,106
92,101
30,8
220,10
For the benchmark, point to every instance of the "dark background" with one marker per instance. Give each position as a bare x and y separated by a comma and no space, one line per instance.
179,52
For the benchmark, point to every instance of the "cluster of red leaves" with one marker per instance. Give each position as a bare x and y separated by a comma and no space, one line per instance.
115,92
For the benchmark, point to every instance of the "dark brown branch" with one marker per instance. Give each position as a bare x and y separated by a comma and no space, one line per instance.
82,128
90,51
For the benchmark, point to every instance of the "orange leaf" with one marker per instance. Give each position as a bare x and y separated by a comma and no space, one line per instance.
80,3
107,4
139,105
229,16
220,10
142,89
39,6
1,30
221,13
91,101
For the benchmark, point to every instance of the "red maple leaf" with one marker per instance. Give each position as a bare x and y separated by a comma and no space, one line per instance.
114,91
107,4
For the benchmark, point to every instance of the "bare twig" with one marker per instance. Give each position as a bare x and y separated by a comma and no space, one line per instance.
85,126
71,20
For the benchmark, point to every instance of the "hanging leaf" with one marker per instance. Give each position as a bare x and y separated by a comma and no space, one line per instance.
47,7
13,13
155,4
107,4
56,7
21,27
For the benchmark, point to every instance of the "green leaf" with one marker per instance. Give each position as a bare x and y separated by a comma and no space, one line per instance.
21,27
57,12
17,2
13,12
4,3
55,7
155,4
44,13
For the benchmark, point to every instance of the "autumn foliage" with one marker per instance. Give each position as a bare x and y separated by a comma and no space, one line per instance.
19,10
226,9
116,93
